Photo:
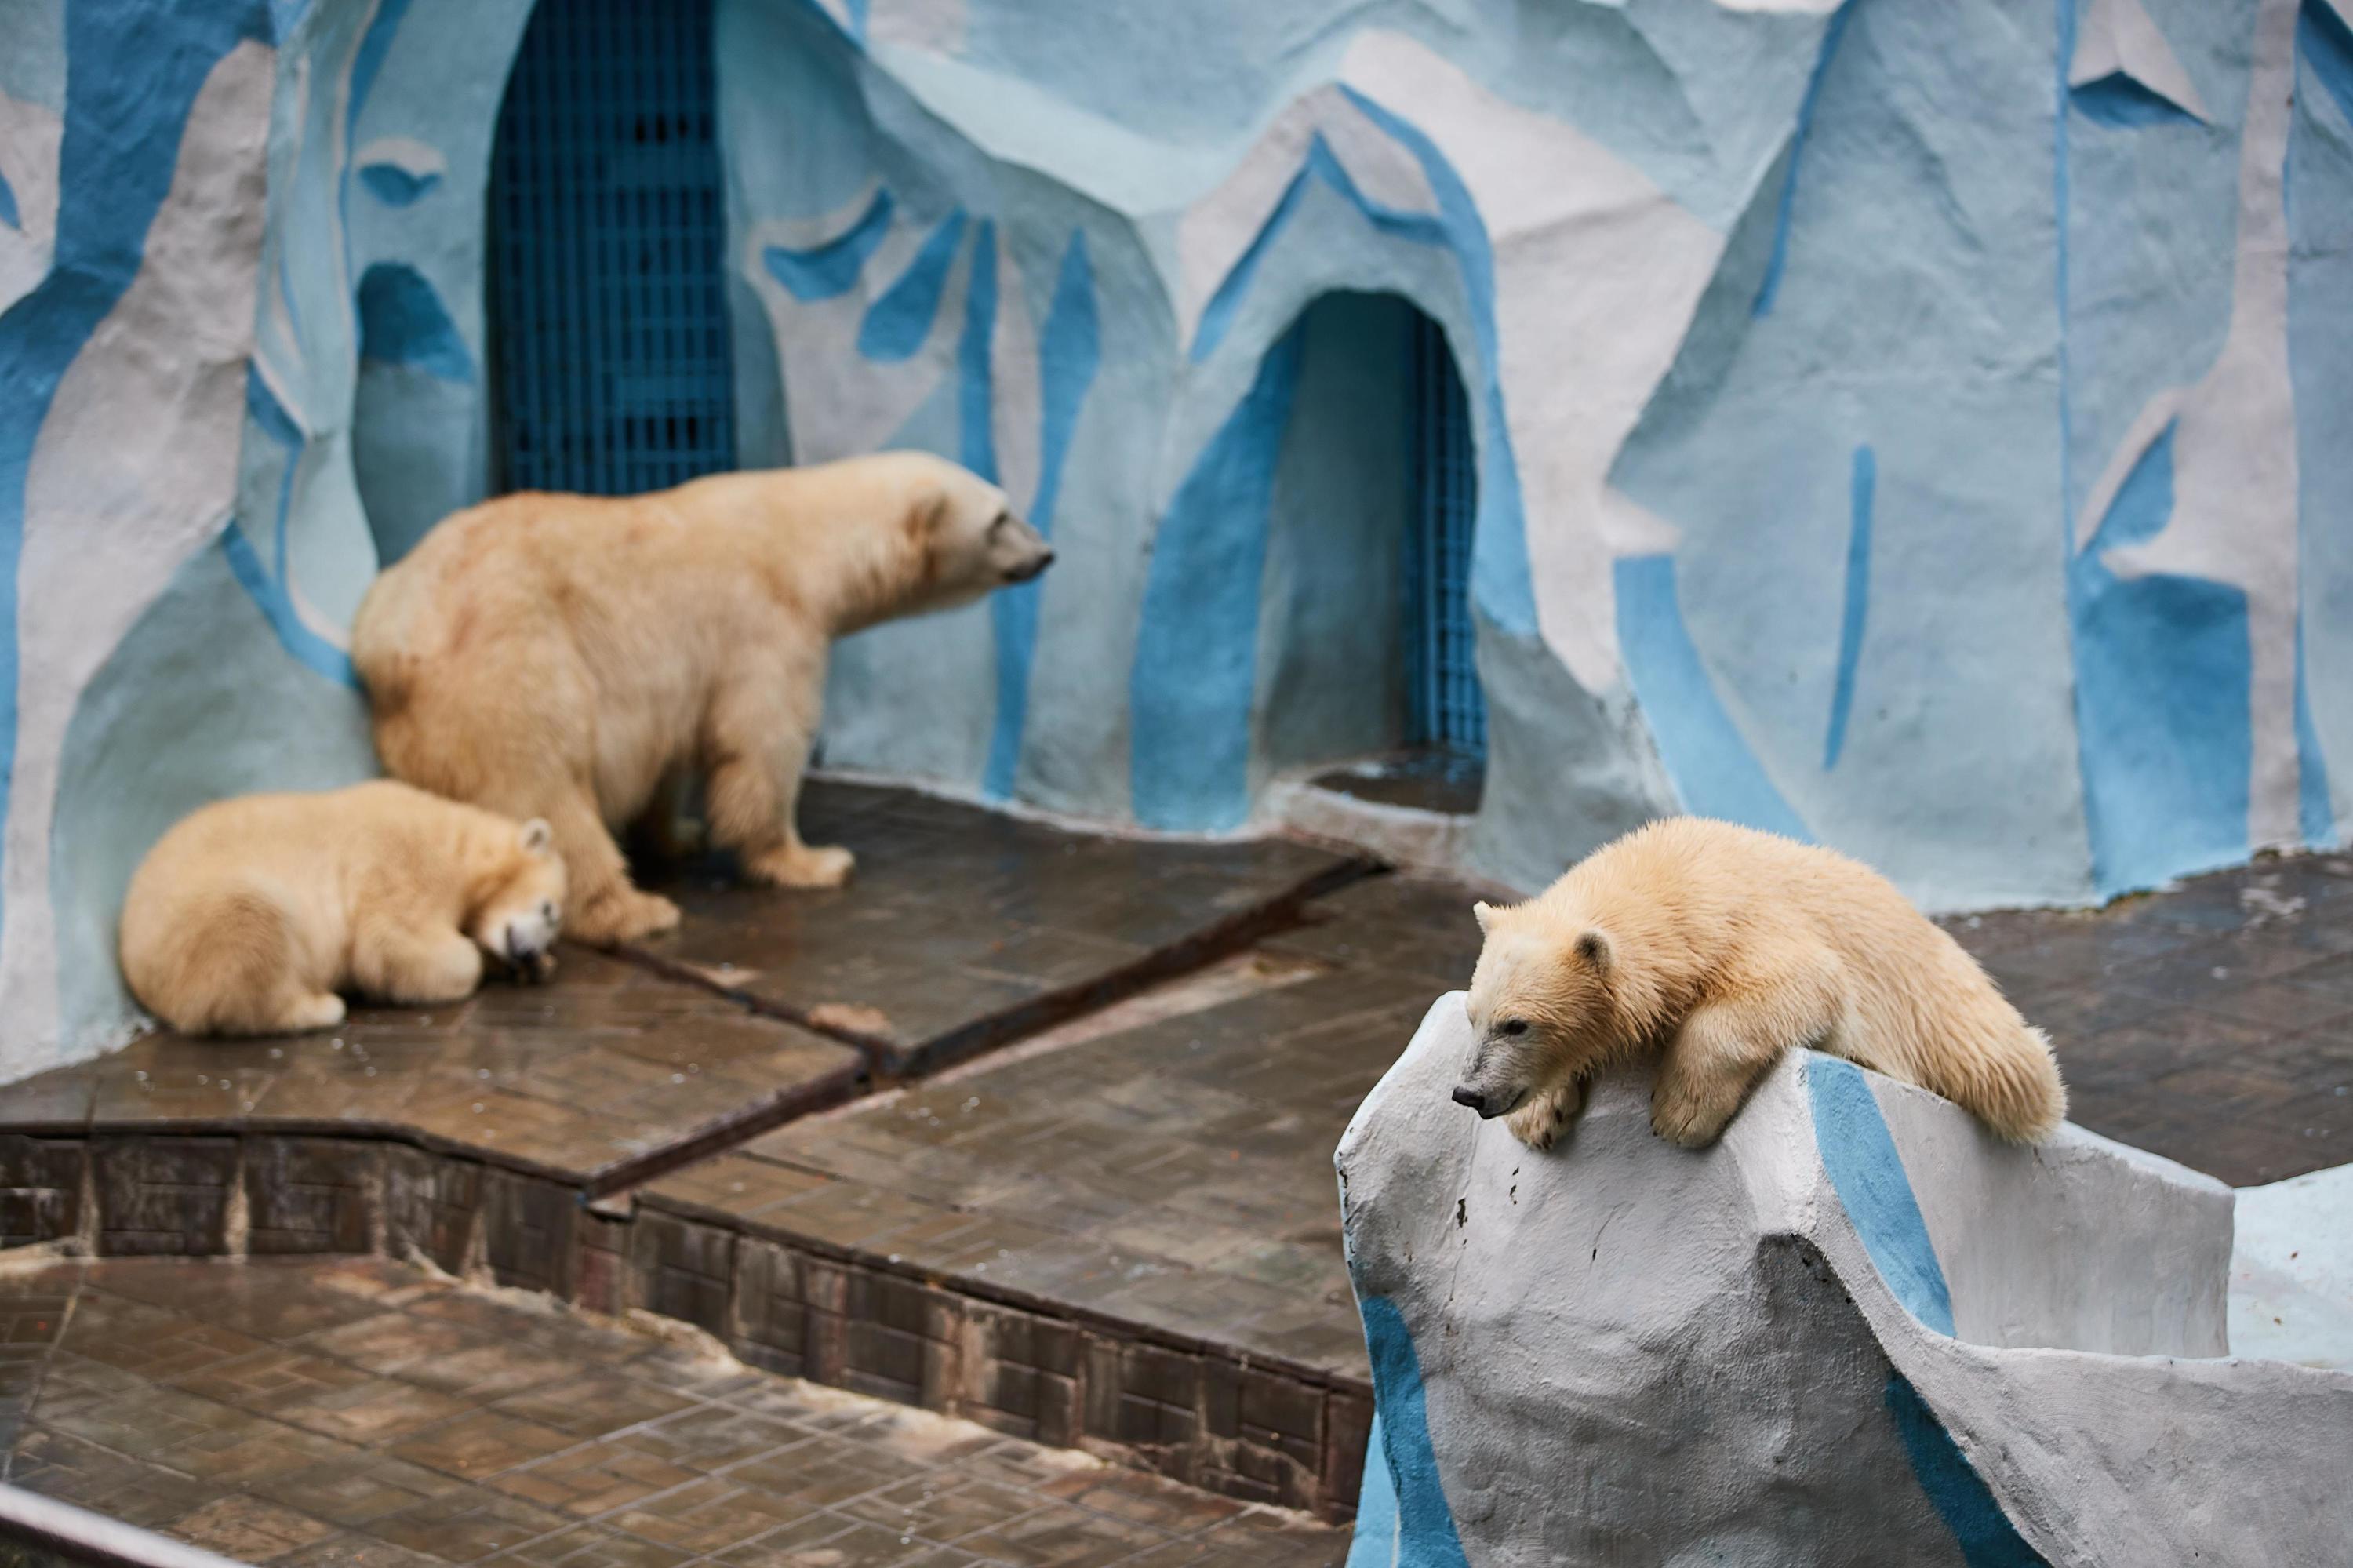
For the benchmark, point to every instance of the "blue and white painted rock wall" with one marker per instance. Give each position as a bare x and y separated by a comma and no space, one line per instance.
1924,425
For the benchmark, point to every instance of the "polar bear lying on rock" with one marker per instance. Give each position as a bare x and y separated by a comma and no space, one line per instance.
567,656
251,914
1717,948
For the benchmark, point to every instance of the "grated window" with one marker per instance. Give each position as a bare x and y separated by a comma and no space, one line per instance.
1445,709
609,237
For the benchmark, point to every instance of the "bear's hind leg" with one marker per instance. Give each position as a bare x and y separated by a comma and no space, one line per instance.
412,967
759,748
1728,1041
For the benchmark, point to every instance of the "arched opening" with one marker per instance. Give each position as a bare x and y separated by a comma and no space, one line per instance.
607,248
1373,688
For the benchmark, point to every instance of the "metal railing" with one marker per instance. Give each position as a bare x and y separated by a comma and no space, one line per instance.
37,1532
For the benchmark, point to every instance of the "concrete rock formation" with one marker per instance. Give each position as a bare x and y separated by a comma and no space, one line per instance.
1858,1330
1914,425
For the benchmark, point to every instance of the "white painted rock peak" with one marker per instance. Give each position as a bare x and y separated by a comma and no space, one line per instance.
1857,1330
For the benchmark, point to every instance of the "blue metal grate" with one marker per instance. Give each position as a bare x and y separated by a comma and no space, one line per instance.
1445,709
609,244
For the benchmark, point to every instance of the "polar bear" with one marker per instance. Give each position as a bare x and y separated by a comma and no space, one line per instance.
1718,947
251,914
567,656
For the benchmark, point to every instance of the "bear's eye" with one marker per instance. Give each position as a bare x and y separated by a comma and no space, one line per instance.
1001,519
1516,1026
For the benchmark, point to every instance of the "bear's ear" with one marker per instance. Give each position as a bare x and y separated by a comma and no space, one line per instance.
1593,947
1486,914
538,838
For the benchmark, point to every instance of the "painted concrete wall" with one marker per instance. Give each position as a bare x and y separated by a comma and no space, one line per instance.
1916,425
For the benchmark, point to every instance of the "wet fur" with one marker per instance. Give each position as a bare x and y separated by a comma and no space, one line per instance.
562,655
1714,949
252,915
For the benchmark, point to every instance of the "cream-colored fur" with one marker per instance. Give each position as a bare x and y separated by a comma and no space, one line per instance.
1715,949
561,655
251,914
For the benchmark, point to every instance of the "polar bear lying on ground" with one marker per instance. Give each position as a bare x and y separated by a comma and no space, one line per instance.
1719,947
251,914
566,656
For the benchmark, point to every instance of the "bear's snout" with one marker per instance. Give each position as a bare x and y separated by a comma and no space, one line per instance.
1464,1095
1031,567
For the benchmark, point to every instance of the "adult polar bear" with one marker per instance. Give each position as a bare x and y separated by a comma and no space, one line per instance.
560,656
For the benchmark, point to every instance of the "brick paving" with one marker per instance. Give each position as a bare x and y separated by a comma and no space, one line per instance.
2211,1023
962,927
1177,1174
362,1415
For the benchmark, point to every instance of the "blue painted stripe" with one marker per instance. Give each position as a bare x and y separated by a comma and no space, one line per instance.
367,61
2316,812
2327,45
403,321
1069,352
2126,102
1959,1495
278,606
1713,769
270,590
1195,677
1832,33
1375,1542
1426,1536
824,271
1860,486
897,323
1226,303
1860,1154
136,73
8,214
976,395
2164,665
396,187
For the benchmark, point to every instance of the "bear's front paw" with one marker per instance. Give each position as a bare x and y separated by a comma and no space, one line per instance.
1541,1121
803,865
1683,1118
621,916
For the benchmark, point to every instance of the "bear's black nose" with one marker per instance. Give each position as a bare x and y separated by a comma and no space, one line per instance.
1471,1097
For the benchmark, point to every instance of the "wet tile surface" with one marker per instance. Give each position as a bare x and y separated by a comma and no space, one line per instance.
301,1414
1178,1174
960,924
2212,1024
606,1064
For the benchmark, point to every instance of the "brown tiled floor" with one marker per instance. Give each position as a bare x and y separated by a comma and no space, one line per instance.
1178,1173
364,1415
2212,1024
606,1064
961,925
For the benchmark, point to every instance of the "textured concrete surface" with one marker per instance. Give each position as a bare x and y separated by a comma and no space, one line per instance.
360,1415
1858,1330
2292,1270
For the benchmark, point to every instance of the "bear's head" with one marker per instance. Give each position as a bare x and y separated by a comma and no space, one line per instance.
1542,1003
520,906
971,540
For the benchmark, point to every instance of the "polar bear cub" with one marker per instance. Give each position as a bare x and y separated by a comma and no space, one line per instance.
569,656
251,914
1716,948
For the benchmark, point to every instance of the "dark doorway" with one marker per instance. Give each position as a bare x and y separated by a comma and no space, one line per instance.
607,241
